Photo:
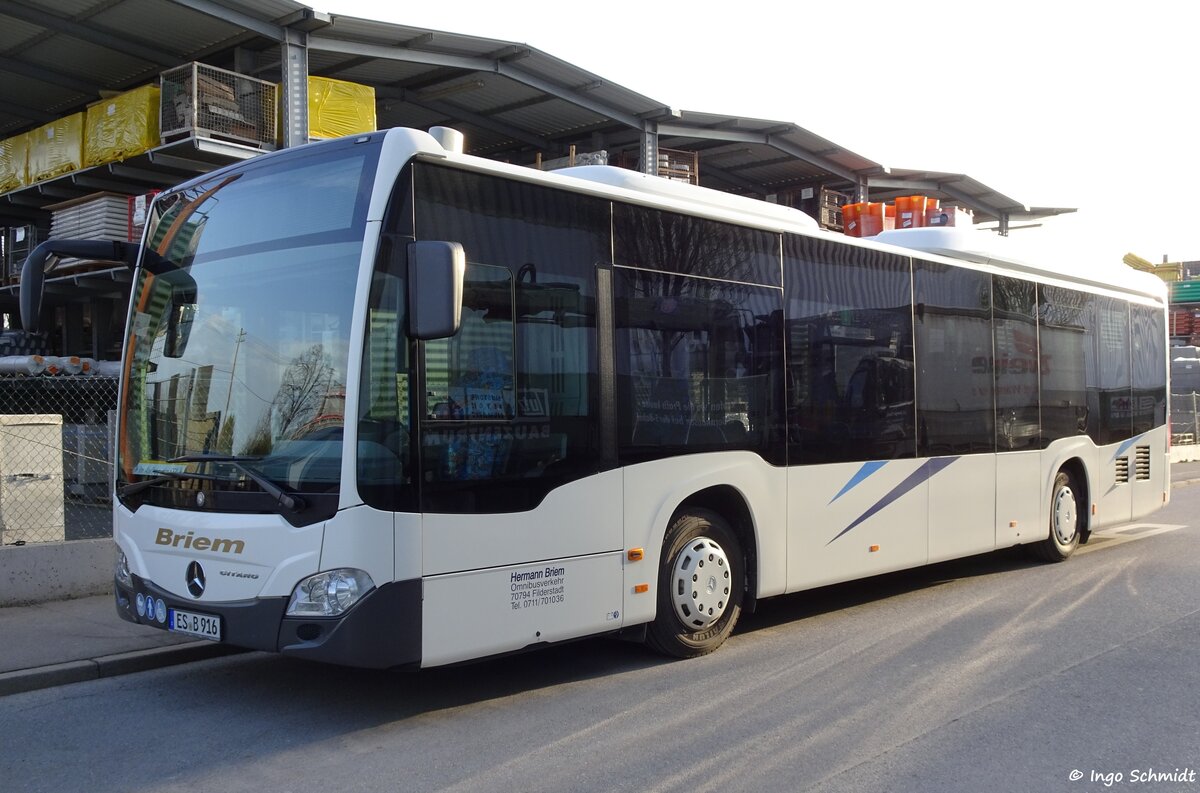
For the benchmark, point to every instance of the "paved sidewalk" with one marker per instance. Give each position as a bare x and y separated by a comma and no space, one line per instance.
66,641
1185,473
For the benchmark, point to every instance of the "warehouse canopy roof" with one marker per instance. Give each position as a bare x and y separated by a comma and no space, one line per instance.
513,102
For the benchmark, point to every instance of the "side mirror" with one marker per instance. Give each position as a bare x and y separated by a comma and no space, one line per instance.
33,271
435,288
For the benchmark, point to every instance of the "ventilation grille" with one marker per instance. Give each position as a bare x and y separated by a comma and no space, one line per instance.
1142,462
1122,470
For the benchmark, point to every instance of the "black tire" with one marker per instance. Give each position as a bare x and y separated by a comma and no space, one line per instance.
1066,521
697,607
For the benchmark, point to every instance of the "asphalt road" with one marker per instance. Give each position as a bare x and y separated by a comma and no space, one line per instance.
989,674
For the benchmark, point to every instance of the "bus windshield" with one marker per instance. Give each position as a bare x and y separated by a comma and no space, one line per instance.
239,332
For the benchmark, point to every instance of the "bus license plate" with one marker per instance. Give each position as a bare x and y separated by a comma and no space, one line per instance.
206,626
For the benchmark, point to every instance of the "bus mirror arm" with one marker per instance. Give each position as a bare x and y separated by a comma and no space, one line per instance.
435,288
33,271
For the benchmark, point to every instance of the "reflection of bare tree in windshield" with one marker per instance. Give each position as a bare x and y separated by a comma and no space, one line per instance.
309,398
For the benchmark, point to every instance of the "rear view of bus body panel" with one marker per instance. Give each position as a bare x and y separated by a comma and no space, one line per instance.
1132,478
1153,491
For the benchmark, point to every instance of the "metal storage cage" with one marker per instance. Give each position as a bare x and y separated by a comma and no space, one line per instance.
679,166
208,102
86,456
16,243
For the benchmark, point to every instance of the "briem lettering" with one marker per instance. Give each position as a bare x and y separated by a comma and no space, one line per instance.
191,542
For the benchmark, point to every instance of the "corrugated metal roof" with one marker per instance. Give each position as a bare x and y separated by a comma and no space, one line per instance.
513,101
75,51
15,32
178,30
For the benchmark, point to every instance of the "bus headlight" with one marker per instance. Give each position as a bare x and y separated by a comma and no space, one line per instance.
121,570
329,594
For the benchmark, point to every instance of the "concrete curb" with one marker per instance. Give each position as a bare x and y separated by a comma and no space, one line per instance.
22,680
44,571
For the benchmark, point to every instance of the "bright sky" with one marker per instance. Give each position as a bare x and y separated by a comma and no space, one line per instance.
1054,103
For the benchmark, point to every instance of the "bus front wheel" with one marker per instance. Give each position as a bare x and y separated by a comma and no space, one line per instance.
701,579
1066,521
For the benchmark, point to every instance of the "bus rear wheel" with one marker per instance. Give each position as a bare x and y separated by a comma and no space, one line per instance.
1066,521
701,580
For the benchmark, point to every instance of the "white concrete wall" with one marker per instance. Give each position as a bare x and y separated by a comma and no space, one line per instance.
55,570
1185,454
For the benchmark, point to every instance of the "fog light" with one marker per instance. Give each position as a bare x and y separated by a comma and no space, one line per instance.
121,570
329,594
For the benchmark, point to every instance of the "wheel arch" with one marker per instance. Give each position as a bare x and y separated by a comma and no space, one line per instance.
1079,473
732,505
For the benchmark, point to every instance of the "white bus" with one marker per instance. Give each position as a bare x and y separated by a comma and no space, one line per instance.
385,403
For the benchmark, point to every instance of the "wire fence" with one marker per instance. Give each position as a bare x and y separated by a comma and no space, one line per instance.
56,457
1185,418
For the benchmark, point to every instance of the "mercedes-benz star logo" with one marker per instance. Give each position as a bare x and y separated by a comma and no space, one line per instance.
195,579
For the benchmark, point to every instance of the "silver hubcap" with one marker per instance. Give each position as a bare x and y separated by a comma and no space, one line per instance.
1065,516
700,583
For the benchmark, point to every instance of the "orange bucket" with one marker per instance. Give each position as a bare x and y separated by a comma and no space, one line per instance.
850,224
871,220
910,211
936,216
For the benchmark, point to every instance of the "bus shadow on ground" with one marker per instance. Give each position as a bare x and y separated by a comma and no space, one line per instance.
406,692
798,606
398,694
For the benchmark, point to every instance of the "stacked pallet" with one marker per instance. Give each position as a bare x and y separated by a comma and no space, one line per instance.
101,216
1182,322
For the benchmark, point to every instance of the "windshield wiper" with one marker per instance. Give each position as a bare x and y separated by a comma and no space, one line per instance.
165,476
284,499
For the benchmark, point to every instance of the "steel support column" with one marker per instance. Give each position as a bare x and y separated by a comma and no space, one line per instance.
294,51
648,150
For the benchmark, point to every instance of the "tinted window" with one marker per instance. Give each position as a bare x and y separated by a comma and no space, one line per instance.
955,408
849,352
510,404
1062,314
656,240
697,366
386,465
1015,365
1149,368
1110,397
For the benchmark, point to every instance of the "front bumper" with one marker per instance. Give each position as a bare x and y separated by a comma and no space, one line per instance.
382,630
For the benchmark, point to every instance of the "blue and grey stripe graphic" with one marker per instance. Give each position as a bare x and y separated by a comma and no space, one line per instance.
864,472
928,469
